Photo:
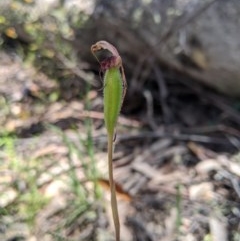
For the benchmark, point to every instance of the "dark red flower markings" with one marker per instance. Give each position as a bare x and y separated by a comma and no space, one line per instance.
108,63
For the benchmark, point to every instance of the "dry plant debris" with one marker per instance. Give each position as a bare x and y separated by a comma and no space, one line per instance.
179,180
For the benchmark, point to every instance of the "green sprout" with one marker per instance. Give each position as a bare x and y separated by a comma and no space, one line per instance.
114,93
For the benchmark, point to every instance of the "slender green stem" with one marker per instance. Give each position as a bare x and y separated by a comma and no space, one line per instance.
112,188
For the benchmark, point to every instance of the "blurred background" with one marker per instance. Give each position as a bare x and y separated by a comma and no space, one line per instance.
176,160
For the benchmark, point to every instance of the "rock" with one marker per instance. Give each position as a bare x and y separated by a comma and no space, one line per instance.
203,191
207,166
7,197
211,42
199,38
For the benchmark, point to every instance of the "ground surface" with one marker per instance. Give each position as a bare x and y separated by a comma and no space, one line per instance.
176,161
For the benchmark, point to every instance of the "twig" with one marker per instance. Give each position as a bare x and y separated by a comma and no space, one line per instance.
214,99
89,78
180,137
233,180
150,116
213,128
163,93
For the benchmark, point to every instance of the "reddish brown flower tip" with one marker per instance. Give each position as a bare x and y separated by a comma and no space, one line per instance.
108,63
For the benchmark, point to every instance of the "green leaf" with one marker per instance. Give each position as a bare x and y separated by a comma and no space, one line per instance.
113,93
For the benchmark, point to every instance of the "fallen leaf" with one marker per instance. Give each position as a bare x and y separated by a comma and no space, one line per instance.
119,190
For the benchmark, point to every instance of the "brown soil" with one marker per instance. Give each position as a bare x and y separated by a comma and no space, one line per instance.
176,158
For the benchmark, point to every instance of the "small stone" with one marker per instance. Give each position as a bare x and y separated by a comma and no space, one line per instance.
203,191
